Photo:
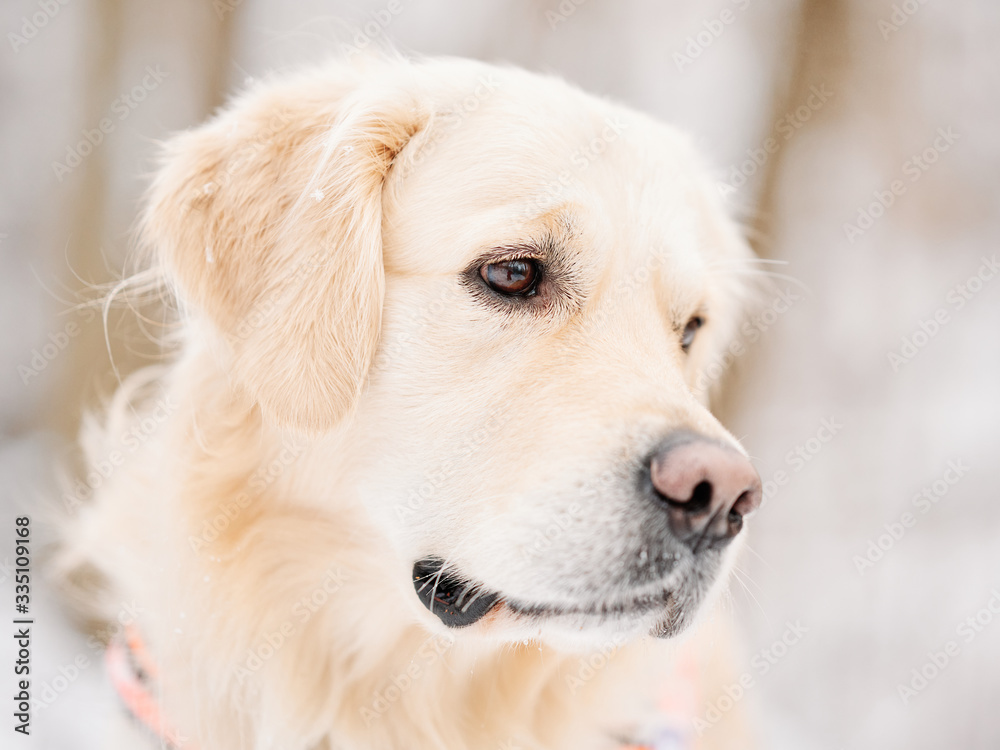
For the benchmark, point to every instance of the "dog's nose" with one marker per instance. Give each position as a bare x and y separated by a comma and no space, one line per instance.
706,488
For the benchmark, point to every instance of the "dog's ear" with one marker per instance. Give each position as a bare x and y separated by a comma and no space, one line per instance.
268,221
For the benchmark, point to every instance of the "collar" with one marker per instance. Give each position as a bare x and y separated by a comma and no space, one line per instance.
132,671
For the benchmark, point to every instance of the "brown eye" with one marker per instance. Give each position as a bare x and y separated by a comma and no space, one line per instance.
687,338
515,278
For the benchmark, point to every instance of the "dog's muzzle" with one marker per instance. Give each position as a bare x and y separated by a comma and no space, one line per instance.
693,495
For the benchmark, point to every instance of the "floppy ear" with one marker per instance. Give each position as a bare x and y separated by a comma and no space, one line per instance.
268,221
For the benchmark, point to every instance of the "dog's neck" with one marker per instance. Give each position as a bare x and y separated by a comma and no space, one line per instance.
273,617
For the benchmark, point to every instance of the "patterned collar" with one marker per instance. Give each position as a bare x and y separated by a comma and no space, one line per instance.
132,671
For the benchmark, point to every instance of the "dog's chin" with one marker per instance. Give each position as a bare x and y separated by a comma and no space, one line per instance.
459,603
598,626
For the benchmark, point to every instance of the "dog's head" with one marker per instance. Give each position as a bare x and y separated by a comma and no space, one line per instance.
489,298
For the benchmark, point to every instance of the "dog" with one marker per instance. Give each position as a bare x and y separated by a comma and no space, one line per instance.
429,466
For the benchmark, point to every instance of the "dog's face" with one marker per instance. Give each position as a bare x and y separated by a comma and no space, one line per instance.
497,294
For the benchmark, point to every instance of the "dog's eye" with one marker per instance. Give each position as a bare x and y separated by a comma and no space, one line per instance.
515,278
687,338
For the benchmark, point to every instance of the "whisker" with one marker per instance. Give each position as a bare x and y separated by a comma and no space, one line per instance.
747,261
737,576
754,552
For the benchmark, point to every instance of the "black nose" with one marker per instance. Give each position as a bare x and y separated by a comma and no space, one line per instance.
705,486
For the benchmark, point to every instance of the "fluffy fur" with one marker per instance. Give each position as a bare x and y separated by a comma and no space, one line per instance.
345,398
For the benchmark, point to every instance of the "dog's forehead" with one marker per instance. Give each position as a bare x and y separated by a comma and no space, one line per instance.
526,159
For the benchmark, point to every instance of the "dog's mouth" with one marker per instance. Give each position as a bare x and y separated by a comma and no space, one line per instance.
455,600
459,602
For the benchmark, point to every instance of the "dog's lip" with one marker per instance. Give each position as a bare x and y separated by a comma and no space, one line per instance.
638,605
459,602
663,612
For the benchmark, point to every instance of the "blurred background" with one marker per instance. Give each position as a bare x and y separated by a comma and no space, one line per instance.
859,143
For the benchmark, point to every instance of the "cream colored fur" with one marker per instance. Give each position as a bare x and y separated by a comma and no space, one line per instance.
341,403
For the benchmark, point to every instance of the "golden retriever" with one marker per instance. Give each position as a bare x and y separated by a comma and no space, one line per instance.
429,469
